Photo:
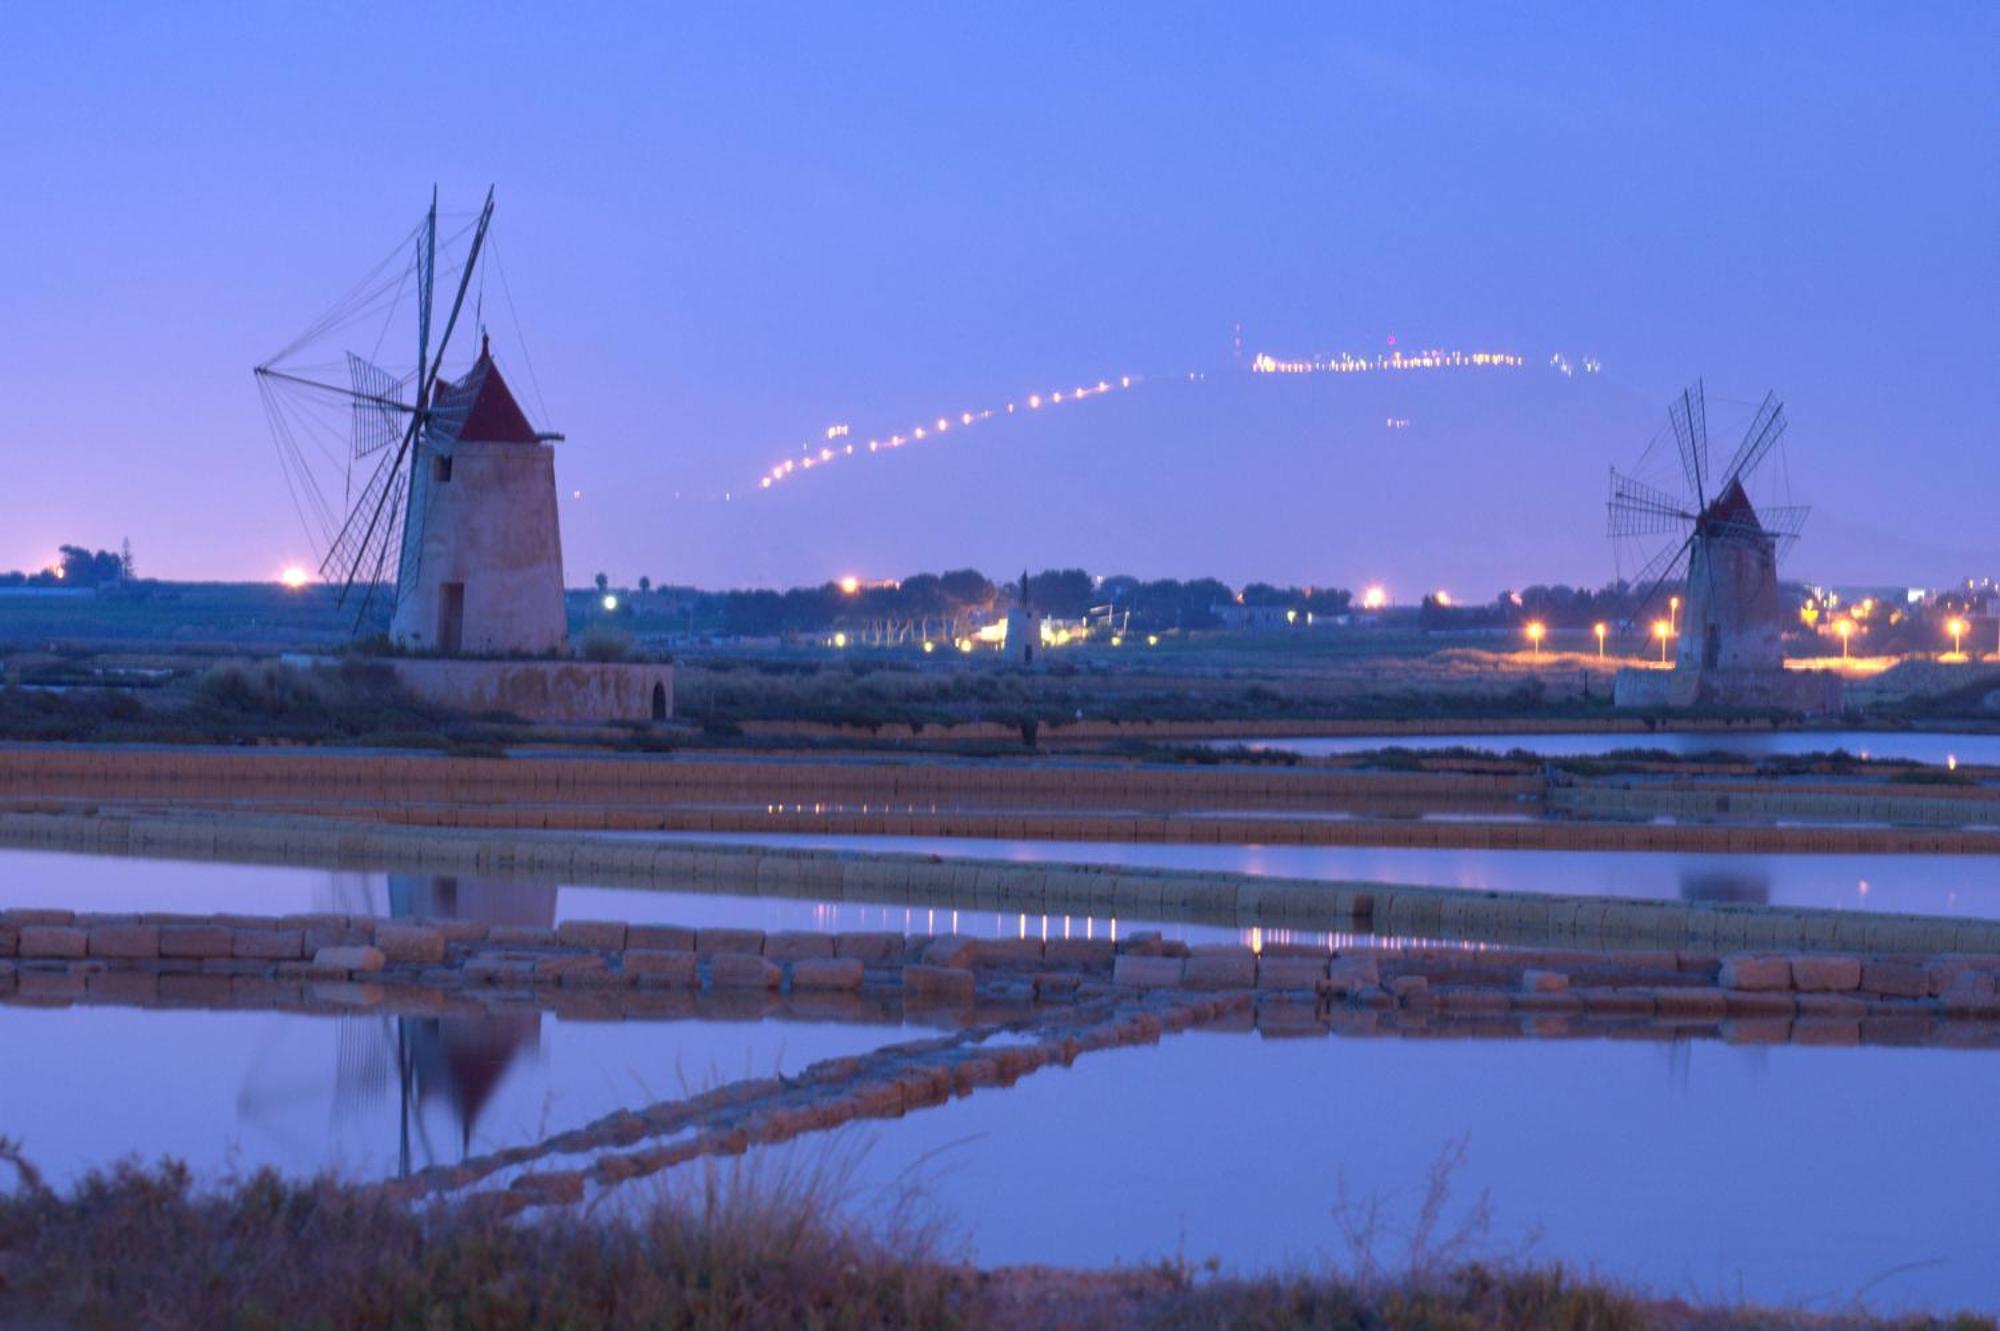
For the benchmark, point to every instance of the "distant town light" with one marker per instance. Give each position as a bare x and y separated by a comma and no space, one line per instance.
1152,640
294,576
929,646
1441,596
1536,632
1600,629
850,585
1375,598
1957,630
840,639
610,603
1663,630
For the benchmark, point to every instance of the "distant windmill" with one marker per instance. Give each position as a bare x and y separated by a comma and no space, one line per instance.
1714,539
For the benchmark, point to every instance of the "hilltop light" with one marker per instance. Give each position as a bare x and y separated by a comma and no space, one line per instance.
295,576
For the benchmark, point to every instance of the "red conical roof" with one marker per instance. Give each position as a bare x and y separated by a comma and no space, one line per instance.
483,406
1733,507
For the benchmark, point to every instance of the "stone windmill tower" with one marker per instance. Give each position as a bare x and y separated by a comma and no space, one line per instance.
1721,553
481,566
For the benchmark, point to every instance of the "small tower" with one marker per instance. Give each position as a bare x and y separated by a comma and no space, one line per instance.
1024,627
481,566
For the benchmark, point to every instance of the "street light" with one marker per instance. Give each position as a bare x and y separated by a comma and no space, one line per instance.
1845,627
1673,614
1536,632
1600,630
1663,630
1957,630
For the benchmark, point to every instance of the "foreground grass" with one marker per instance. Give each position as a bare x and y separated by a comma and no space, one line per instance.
723,1247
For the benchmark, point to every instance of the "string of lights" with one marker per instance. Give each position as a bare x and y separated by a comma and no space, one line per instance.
839,443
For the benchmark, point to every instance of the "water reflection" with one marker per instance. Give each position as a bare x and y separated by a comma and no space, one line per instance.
1736,884
448,1064
1947,749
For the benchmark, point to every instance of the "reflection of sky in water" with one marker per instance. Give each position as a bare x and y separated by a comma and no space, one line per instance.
1802,1173
92,1085
1965,885
1978,750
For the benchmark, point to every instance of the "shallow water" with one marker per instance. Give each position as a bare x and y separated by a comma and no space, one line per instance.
1939,749
88,1086
1916,884
1786,1174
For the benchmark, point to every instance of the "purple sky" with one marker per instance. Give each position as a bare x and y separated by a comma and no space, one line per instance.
728,227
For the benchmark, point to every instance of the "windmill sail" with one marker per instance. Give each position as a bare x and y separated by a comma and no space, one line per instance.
361,495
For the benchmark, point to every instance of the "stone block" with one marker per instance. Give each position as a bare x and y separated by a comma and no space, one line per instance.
498,970
410,944
267,944
1221,968
337,935
741,942
604,935
52,941
824,973
929,985
658,938
797,945
1008,952
520,935
10,939
1552,982
658,968
1050,985
206,941
1826,974
1352,973
1136,971
1896,979
1745,971
869,948
951,951
126,942
1291,973
1078,951
743,970
349,958
1685,1003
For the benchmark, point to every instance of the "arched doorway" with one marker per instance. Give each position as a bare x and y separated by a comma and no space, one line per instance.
660,701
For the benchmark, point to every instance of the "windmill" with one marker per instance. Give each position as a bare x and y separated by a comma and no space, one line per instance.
350,432
1710,536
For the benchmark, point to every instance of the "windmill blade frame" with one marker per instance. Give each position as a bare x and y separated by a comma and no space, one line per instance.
1689,418
1767,427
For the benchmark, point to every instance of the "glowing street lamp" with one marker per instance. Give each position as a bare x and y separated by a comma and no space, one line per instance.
1845,627
1536,632
1957,630
1663,630
1600,630
1674,614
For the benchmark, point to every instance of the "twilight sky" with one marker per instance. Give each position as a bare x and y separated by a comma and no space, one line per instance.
729,227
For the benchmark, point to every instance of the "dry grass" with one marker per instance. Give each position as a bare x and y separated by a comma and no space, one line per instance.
725,1245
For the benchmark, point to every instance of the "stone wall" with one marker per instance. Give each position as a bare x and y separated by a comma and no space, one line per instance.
565,692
